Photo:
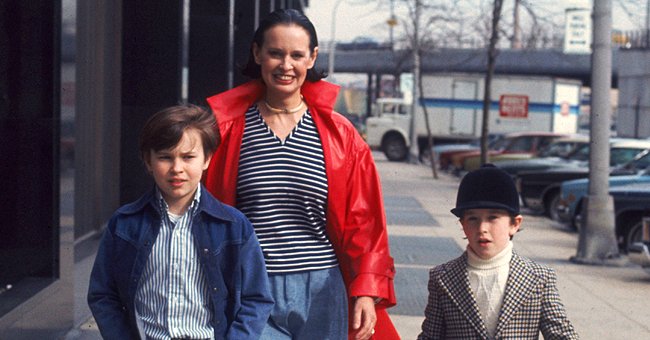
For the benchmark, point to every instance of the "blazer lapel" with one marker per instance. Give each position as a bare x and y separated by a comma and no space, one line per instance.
456,282
521,282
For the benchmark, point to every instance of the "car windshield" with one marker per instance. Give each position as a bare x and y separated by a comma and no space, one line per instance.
620,156
580,154
640,162
559,149
522,144
500,144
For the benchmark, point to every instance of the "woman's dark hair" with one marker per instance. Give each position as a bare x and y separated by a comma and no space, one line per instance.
164,129
282,17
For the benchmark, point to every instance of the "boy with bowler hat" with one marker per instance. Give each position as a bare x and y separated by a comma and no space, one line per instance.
491,292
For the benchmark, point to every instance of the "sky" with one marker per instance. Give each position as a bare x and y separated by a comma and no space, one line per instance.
356,18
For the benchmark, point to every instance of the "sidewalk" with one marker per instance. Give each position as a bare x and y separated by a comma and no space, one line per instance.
602,302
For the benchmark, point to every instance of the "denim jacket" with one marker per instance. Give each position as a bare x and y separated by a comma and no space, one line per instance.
230,256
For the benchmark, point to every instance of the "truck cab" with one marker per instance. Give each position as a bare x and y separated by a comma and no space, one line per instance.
388,127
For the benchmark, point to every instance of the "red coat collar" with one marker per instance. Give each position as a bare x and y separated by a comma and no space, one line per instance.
233,103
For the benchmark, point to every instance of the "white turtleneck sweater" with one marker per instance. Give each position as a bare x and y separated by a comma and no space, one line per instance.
488,278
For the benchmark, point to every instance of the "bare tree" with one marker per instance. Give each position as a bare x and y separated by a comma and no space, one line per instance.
419,36
434,24
491,61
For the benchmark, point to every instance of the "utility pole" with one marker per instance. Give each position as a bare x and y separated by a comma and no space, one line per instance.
330,61
487,91
597,242
413,149
231,43
516,35
392,22
647,25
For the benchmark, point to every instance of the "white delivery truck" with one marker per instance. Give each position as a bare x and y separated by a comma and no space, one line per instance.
454,103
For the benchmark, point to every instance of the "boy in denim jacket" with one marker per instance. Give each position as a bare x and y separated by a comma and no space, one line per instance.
177,263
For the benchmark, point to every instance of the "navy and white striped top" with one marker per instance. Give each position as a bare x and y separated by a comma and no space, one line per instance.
282,189
172,298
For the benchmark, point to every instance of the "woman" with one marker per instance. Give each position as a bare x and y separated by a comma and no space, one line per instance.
307,181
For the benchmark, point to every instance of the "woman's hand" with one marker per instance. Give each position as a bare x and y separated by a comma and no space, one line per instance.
365,318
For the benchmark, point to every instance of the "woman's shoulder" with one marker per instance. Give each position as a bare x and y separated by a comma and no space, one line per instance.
233,103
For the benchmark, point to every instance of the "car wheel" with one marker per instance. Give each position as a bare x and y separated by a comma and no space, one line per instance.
576,219
395,148
425,157
552,207
632,235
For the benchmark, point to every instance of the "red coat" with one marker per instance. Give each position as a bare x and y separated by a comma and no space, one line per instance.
356,224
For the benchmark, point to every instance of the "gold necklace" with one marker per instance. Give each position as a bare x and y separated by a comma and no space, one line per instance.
293,110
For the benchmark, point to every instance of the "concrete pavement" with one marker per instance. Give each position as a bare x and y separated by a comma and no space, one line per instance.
602,302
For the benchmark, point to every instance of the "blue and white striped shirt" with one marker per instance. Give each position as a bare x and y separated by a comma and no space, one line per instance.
282,189
172,299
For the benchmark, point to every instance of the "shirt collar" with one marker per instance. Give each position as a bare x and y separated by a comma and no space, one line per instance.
502,258
164,207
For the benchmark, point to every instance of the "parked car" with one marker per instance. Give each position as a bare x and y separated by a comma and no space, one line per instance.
438,149
557,152
444,154
575,159
631,204
515,143
540,190
573,192
639,252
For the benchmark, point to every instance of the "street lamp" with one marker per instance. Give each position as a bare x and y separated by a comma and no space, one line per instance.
330,62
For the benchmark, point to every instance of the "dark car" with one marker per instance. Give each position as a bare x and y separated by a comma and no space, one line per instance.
639,252
443,156
518,142
548,160
631,204
560,148
573,192
540,190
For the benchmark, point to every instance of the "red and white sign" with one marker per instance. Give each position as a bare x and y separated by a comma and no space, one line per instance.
513,106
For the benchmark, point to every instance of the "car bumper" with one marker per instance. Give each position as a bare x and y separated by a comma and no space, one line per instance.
533,203
565,212
639,254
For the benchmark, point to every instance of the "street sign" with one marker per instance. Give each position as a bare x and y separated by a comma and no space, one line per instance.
513,106
577,31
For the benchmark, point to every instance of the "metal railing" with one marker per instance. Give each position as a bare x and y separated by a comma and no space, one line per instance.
637,39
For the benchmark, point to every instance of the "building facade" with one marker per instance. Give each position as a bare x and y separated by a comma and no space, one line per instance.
72,101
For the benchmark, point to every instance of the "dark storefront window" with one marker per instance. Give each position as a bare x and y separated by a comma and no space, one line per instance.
29,146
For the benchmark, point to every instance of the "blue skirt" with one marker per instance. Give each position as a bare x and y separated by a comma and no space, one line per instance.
308,305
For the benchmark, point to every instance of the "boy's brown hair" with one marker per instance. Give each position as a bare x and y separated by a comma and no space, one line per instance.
164,129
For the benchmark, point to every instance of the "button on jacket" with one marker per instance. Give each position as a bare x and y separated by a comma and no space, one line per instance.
229,255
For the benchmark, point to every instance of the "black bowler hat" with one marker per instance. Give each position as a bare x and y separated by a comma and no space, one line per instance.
487,188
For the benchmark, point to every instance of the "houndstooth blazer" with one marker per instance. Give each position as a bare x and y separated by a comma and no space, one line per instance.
531,304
